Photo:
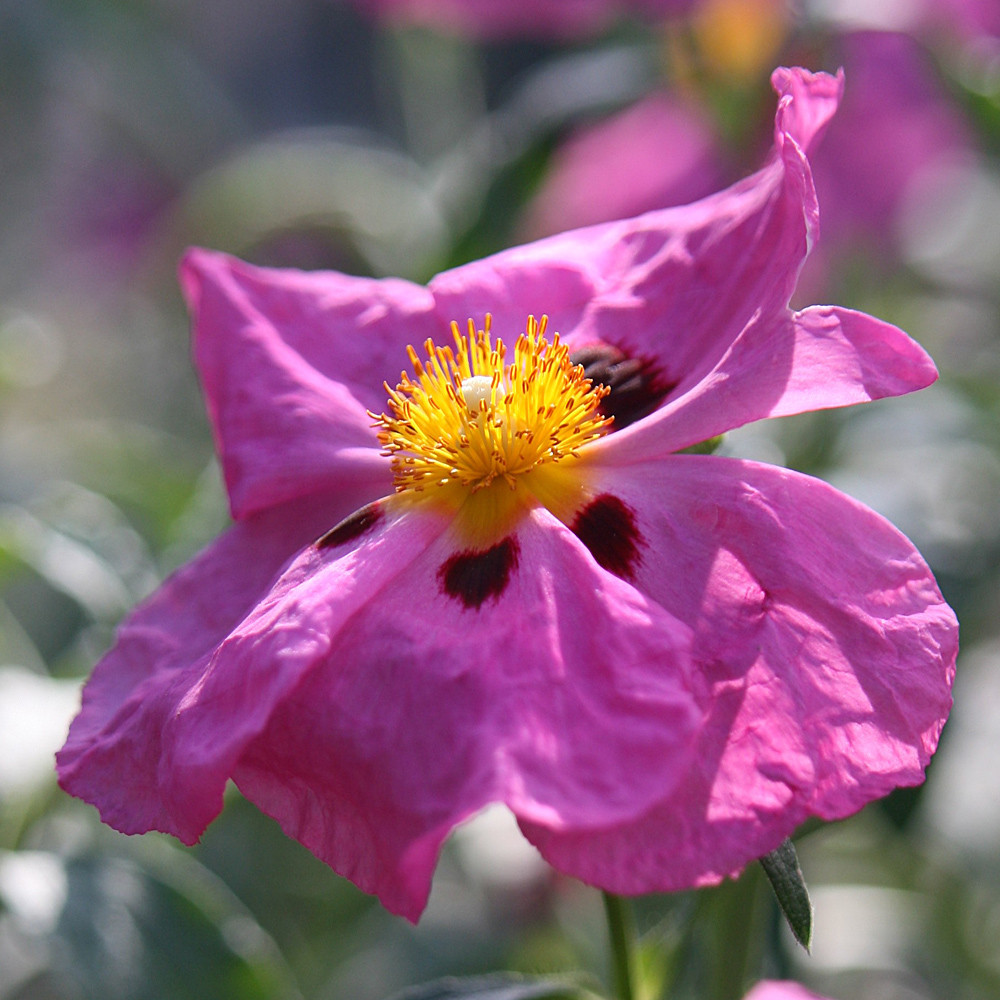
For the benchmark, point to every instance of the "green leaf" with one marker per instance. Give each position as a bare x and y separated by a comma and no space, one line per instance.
369,208
159,927
499,986
707,447
782,869
66,564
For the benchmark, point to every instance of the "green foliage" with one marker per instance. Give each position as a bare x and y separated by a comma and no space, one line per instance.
102,925
500,986
785,875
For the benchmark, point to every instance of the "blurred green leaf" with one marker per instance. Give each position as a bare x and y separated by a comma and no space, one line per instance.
119,929
367,207
151,475
785,875
64,563
16,647
708,447
502,986
489,179
35,711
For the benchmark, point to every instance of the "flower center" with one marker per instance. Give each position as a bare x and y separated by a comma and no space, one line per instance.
473,420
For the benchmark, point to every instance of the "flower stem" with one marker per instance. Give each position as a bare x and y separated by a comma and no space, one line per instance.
622,934
731,914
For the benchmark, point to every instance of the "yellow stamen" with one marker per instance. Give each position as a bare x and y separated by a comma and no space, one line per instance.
469,426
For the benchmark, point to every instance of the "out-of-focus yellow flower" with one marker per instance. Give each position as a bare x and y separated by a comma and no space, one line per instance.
739,39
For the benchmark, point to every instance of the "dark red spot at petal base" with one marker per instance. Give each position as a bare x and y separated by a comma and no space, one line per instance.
636,387
474,577
353,526
607,527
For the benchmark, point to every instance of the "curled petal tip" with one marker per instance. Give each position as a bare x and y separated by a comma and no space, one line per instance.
807,102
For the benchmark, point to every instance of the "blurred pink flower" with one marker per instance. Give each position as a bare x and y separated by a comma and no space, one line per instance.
897,130
970,20
659,152
897,127
660,662
777,990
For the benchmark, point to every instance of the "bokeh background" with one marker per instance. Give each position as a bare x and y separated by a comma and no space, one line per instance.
401,138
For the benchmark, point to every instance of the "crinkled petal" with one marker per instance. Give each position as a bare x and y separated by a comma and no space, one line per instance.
674,287
377,698
820,357
825,649
113,756
289,362
807,102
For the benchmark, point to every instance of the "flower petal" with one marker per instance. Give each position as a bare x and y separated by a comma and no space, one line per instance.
290,361
370,705
821,357
112,757
674,287
807,102
826,652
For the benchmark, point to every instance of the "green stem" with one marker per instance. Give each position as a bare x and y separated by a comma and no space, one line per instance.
733,917
622,934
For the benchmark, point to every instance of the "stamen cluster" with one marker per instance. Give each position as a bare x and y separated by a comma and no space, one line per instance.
469,418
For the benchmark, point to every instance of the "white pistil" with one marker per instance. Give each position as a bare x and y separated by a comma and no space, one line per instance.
475,390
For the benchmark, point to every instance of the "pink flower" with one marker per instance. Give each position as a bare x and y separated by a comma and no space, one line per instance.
897,128
976,18
659,152
974,22
660,662
775,990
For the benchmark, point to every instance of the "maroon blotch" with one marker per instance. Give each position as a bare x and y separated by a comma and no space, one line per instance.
636,387
353,526
473,577
607,527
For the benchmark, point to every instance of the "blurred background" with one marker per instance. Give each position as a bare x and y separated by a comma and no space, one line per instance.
401,137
